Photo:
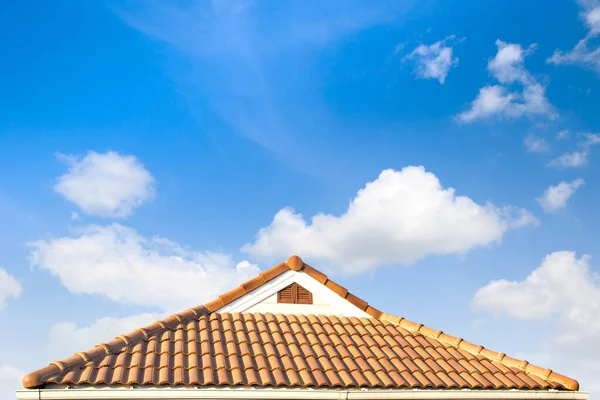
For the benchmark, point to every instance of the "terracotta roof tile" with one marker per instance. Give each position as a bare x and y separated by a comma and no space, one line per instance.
202,347
371,365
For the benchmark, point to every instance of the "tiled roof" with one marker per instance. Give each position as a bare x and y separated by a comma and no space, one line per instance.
201,347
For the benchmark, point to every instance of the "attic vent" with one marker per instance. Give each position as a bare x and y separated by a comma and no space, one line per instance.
294,294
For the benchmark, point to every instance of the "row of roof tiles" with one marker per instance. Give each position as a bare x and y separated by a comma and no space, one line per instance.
228,350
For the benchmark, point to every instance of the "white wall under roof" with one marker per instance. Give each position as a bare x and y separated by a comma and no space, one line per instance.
264,299
319,306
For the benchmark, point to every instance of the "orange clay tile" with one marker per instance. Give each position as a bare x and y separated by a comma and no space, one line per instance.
200,347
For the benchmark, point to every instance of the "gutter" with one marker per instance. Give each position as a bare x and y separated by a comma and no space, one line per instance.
290,394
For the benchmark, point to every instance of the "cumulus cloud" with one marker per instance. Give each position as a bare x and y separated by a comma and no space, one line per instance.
585,53
9,287
400,217
563,284
555,197
491,100
563,287
67,338
10,380
116,262
517,95
508,64
535,144
577,158
105,185
433,61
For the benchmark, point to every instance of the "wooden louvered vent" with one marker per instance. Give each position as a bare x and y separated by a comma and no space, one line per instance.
294,294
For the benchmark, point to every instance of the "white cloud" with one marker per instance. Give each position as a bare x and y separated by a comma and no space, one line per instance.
508,64
563,287
508,68
433,61
106,185
573,159
535,144
10,380
583,53
116,262
577,158
9,287
400,217
592,19
562,135
491,100
67,338
591,139
556,197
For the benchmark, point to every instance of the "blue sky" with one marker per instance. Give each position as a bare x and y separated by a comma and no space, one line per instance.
147,145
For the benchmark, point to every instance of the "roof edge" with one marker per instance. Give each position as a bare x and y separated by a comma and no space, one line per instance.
299,394
524,365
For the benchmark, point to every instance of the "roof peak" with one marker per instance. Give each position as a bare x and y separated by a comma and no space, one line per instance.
294,263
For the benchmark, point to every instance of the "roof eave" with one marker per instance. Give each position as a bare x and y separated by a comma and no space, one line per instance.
292,393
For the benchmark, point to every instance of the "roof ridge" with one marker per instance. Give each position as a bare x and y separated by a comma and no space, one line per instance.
460,343
36,378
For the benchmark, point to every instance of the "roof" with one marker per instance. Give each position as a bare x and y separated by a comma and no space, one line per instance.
202,347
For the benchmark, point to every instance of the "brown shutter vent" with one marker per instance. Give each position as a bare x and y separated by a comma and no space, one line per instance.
294,294
286,295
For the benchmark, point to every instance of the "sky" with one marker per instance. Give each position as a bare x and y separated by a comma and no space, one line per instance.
439,159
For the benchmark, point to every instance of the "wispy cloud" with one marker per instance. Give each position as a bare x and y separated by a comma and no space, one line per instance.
591,139
508,68
555,197
434,61
584,53
535,144
572,159
580,157
242,55
563,134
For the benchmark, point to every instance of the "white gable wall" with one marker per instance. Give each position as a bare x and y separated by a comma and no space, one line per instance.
264,299
270,304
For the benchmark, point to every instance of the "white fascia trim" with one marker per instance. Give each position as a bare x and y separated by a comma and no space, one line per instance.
290,394
287,278
260,294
